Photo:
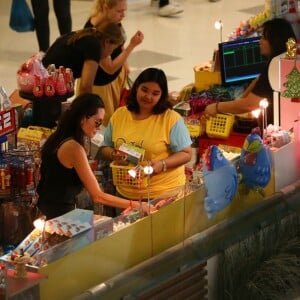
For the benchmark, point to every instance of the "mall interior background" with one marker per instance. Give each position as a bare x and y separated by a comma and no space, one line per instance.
174,44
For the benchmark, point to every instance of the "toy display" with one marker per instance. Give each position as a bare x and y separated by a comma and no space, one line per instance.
34,80
255,163
220,179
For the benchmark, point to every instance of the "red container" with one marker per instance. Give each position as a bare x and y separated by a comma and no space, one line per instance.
235,140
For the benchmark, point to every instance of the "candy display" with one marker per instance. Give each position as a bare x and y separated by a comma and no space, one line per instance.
19,173
34,79
54,238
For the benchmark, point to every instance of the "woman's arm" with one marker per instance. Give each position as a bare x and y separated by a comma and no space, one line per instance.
173,161
111,66
245,104
88,75
72,154
238,106
249,88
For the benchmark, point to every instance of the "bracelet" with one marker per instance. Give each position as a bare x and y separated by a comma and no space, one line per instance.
217,109
164,165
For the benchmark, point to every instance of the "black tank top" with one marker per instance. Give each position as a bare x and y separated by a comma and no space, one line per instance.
58,185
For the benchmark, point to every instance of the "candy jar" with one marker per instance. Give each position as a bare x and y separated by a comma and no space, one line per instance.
69,80
50,86
61,88
37,87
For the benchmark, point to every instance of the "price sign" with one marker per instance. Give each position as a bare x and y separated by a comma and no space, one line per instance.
7,121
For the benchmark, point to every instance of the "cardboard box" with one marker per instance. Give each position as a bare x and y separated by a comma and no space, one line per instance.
103,226
43,252
285,169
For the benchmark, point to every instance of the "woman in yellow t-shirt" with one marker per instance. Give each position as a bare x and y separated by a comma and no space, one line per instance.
149,121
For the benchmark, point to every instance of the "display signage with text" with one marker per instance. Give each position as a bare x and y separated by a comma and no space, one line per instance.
7,121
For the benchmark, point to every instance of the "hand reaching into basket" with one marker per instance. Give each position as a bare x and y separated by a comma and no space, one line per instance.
117,155
211,110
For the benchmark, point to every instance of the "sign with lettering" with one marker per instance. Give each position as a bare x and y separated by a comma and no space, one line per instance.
7,121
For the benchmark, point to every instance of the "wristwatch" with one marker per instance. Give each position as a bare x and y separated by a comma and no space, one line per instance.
164,165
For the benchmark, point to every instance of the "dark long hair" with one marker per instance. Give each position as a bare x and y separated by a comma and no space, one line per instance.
150,75
69,125
277,31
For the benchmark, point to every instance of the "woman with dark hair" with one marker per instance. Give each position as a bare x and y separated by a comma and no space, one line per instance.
275,34
148,121
82,51
65,169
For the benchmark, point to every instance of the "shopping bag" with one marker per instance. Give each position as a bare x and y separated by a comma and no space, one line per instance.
21,18
125,91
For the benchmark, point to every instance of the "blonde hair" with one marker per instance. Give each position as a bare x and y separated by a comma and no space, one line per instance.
98,6
110,32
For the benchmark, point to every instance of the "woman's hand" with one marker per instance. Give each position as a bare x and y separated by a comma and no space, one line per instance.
118,155
145,207
210,110
148,208
137,38
157,166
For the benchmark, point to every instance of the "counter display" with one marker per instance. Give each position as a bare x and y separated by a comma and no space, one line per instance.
53,239
95,248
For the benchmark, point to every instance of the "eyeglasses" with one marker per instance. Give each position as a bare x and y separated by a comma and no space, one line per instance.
97,122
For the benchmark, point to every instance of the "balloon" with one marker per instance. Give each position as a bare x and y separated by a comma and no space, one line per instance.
220,179
255,162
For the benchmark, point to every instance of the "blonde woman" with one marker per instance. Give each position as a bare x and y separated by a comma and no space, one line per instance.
113,70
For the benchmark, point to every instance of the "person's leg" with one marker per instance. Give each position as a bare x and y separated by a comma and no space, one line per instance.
62,9
168,8
40,10
163,3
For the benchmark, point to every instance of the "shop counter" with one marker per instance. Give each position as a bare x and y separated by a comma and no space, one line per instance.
171,225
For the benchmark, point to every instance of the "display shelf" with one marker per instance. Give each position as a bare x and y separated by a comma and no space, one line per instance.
45,110
31,97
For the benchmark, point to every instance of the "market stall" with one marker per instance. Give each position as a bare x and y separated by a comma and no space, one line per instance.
102,247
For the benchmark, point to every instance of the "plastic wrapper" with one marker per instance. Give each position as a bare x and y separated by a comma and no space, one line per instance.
28,70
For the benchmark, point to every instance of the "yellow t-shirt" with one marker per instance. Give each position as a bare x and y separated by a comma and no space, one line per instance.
159,135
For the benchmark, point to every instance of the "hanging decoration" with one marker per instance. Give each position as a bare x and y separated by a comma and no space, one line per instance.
292,85
291,48
293,78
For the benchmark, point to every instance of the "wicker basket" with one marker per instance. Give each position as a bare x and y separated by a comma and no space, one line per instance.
219,126
121,176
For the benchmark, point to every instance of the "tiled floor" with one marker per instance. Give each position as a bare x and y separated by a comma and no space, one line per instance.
175,44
